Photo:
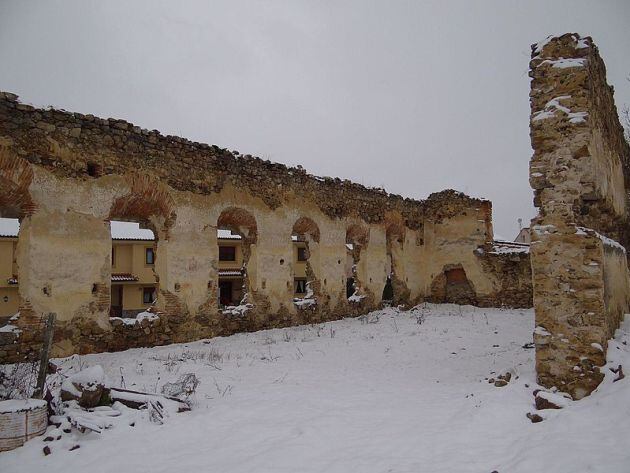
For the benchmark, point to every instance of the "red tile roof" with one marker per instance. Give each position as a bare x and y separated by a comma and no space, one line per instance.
123,277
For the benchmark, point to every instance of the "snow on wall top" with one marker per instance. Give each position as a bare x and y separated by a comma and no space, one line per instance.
508,247
609,242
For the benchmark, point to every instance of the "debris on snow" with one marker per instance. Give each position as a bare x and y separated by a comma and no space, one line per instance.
547,400
86,387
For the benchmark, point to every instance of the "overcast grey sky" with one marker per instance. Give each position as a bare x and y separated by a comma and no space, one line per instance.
412,96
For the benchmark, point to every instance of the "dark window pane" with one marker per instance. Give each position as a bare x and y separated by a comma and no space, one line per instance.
150,256
227,253
301,254
300,286
148,295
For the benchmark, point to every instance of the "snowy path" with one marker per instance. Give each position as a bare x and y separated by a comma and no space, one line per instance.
392,396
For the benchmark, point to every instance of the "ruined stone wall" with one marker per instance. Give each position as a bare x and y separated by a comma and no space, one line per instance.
512,263
67,175
579,173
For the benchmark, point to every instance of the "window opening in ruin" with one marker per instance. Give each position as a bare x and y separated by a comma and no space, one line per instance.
134,285
388,291
231,266
237,233
305,246
350,287
9,284
357,238
458,289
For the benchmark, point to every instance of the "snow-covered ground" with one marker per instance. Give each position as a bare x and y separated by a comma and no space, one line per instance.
391,392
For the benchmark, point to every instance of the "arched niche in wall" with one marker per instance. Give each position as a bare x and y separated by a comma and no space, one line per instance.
305,237
149,204
16,176
453,286
16,204
357,238
239,222
395,289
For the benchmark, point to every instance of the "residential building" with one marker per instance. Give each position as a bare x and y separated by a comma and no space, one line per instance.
524,236
134,284
133,281
9,300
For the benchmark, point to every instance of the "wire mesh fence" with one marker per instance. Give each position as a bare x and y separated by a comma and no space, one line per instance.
25,346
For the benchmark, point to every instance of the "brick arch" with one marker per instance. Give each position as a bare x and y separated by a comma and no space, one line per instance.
240,221
452,285
395,287
16,176
357,234
306,226
148,202
308,230
394,229
243,223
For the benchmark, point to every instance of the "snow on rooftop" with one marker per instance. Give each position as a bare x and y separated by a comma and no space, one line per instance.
227,235
9,227
130,231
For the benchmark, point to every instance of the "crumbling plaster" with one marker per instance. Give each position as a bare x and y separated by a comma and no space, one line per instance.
579,173
66,175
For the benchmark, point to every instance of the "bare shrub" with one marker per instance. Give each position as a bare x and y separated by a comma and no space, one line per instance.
183,388
17,381
371,318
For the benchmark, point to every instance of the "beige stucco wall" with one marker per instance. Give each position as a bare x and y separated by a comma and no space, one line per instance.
11,306
453,242
7,246
65,252
67,175
123,258
616,284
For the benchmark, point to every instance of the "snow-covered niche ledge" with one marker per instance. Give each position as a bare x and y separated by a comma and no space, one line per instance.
608,242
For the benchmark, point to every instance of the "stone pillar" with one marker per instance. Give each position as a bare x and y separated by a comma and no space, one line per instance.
332,264
65,260
271,261
571,332
187,264
577,173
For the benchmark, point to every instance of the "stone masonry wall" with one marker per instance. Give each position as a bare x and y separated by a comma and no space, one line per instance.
67,175
579,173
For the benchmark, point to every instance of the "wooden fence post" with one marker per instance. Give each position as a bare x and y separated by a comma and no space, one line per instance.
43,361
